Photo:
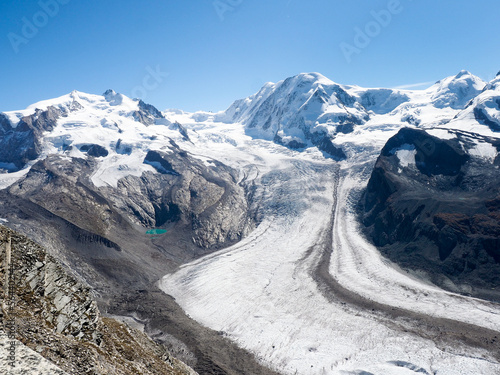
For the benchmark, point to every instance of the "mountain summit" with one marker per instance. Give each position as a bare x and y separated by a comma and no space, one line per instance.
310,110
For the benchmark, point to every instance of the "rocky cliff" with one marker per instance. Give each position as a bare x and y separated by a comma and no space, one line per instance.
50,313
432,203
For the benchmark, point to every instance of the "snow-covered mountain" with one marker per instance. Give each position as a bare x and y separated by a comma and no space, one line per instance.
123,153
310,110
307,110
122,194
72,123
482,113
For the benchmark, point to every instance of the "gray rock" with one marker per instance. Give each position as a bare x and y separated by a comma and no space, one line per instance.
147,114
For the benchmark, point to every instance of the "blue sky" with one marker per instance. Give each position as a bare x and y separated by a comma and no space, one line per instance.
203,54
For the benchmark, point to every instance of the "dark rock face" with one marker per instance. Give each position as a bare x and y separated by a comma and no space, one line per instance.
326,145
150,109
482,118
147,114
188,193
21,144
182,130
94,150
440,213
433,155
160,163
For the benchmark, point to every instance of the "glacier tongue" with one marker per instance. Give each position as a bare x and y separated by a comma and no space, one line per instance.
280,293
270,293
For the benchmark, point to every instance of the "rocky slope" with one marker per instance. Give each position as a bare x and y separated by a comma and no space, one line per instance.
55,316
432,204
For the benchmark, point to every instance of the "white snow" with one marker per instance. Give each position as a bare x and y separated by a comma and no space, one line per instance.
14,118
7,179
113,168
406,155
484,150
441,133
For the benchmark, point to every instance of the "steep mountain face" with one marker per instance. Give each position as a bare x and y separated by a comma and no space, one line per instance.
299,111
22,142
432,203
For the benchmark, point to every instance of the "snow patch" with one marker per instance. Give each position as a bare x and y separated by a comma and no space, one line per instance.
441,133
484,150
406,155
7,179
116,167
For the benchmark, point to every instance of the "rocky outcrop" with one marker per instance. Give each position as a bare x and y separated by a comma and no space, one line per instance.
18,145
56,316
23,142
433,204
94,150
186,192
62,302
147,114
482,117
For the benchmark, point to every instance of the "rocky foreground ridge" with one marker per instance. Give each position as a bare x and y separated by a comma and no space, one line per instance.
57,325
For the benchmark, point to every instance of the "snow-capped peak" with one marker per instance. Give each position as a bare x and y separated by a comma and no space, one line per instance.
314,79
114,129
456,91
115,99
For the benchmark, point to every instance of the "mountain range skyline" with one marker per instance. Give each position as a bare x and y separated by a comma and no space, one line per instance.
202,54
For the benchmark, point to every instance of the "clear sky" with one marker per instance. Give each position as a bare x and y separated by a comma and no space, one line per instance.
203,54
